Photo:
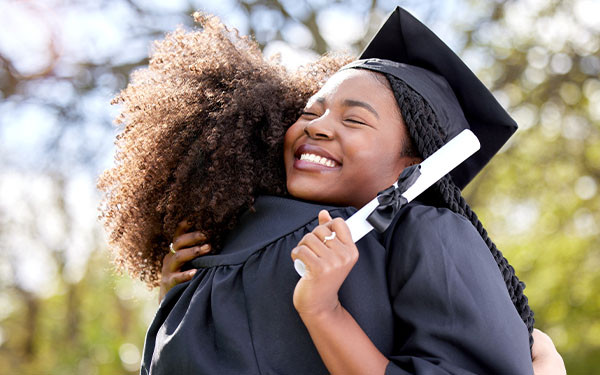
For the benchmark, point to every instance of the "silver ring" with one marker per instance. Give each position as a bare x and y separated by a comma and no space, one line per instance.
328,238
171,249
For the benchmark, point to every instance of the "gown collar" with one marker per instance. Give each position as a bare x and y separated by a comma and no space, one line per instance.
272,218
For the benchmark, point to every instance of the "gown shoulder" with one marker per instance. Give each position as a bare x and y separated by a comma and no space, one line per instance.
449,299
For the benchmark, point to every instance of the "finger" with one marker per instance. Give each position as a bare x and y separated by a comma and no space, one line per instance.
314,242
540,335
322,232
181,277
347,248
324,217
335,251
339,226
308,257
182,227
166,259
188,240
185,255
325,235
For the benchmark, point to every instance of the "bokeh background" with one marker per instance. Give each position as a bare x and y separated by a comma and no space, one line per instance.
63,310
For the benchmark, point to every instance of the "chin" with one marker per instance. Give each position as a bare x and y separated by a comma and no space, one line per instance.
308,193
317,196
302,193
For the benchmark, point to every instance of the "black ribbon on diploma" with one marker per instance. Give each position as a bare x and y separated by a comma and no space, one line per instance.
391,199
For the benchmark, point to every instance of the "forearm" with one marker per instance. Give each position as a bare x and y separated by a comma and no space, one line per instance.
342,344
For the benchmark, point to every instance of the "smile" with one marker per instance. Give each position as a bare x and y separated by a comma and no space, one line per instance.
312,158
318,160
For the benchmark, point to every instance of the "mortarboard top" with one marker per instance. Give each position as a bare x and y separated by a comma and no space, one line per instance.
408,50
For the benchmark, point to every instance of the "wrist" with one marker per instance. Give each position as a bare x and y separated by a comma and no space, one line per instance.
323,315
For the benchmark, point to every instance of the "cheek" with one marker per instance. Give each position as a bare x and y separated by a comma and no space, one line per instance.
290,137
377,160
368,150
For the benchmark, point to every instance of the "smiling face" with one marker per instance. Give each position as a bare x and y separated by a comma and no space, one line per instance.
348,143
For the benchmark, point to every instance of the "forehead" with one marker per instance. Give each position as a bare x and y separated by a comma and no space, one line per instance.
358,84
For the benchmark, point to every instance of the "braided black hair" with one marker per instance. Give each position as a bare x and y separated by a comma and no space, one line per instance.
427,137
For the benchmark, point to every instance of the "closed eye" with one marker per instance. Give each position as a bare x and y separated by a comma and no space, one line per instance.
357,122
305,113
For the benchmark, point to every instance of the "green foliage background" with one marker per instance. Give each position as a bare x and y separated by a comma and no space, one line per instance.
538,198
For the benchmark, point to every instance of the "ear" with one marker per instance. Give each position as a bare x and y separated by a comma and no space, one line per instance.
407,161
414,161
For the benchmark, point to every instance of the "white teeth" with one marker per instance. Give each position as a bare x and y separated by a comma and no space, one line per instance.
317,159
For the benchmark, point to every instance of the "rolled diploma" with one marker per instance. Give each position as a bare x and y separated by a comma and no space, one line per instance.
433,168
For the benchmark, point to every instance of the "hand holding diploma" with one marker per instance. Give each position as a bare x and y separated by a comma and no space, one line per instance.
329,253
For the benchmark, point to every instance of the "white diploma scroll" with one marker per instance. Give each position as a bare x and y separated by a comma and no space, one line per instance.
433,168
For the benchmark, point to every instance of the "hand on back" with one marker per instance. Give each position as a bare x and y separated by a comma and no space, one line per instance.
186,246
546,359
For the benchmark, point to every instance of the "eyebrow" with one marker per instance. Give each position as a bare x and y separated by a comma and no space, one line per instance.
354,103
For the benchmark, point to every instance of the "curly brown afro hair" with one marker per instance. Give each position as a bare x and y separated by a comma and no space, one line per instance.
201,136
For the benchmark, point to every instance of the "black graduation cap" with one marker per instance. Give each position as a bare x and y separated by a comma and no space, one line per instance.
408,50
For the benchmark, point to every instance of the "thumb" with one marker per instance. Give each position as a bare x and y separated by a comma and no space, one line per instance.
324,217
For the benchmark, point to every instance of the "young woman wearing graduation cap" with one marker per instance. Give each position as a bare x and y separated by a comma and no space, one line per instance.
425,296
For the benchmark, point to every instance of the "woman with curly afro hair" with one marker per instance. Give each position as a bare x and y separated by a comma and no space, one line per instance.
206,125
203,135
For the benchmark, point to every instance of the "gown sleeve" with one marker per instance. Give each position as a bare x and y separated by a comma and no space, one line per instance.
452,311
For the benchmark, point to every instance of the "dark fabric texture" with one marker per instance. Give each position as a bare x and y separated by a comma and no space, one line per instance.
427,292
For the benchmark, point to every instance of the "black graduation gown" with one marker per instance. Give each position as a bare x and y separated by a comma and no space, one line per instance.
427,292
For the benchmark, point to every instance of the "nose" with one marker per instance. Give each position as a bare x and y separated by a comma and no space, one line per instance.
318,129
